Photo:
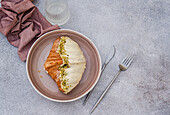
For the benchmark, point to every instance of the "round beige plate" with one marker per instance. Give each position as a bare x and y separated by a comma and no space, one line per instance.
43,83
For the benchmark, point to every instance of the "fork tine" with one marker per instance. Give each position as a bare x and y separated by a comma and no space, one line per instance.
130,61
125,59
129,57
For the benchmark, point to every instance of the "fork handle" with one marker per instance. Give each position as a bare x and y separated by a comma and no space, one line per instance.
105,91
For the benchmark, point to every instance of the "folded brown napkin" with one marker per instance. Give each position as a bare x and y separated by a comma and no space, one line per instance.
22,23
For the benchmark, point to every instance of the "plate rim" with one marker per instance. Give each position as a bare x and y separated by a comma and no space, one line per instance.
70,100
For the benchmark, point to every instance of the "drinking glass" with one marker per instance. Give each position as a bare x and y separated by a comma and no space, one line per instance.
57,11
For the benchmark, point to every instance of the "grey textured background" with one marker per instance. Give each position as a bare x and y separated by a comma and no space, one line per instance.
138,26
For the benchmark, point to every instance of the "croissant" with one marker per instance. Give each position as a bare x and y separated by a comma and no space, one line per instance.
65,63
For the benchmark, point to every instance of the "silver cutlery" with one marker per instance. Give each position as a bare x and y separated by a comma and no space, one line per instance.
110,56
123,66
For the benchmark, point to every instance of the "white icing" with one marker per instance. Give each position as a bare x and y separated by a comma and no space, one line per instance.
77,64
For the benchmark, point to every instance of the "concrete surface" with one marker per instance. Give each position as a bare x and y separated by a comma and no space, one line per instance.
138,26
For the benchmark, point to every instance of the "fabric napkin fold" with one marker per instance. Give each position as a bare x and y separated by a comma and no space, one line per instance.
22,23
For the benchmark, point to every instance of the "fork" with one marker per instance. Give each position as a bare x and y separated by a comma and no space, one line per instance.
110,56
123,66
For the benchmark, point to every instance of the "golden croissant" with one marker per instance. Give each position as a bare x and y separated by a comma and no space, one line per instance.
65,64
